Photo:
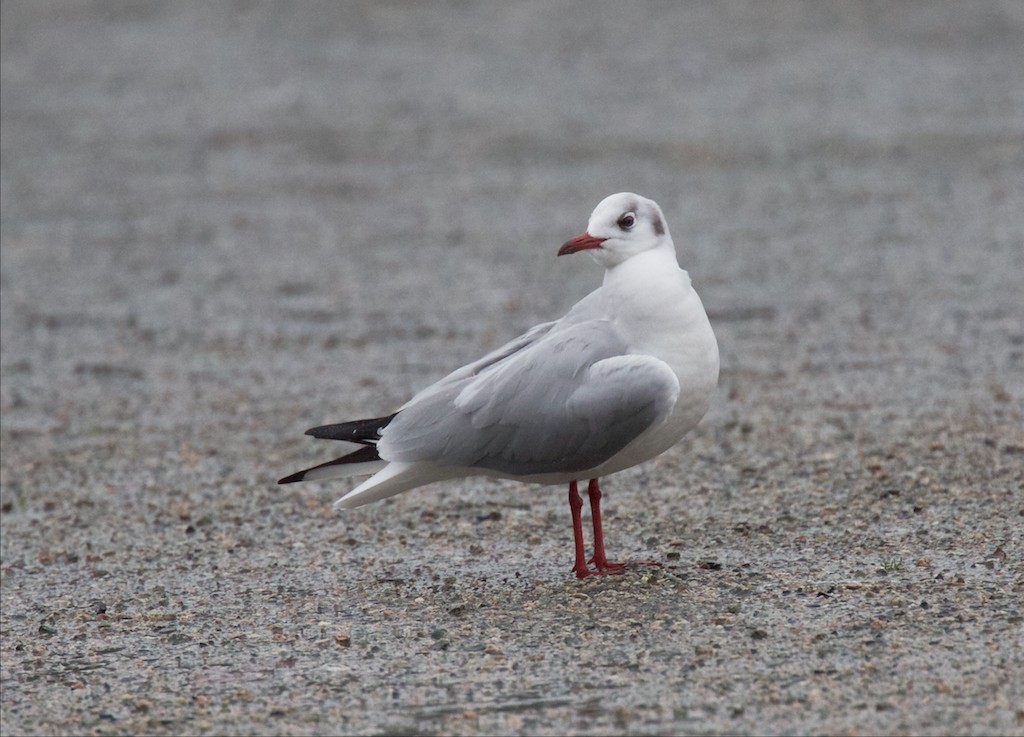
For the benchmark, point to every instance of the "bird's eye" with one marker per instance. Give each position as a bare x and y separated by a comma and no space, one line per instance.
627,221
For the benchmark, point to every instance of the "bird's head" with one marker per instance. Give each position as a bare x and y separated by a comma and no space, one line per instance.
620,227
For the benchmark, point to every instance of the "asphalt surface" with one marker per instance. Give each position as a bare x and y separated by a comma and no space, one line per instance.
225,223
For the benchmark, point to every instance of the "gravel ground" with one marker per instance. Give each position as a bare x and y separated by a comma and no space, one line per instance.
223,224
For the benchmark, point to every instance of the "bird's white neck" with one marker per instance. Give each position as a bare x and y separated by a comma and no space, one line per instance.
652,298
644,268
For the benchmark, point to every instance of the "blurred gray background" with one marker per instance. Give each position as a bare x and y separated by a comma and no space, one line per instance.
225,223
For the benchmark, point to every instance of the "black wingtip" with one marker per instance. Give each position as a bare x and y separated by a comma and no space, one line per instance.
366,432
367,453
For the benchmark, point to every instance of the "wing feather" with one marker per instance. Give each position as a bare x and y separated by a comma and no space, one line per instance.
561,401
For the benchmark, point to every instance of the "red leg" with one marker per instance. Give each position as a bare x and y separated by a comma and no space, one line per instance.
599,560
575,505
603,567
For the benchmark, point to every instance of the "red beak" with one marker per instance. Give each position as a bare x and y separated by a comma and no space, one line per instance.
580,243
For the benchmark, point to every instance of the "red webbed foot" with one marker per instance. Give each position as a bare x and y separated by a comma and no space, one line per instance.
611,569
604,565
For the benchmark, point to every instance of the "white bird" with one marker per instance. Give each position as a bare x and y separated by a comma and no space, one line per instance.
628,371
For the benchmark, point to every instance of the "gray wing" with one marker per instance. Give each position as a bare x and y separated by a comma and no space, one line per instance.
565,401
459,376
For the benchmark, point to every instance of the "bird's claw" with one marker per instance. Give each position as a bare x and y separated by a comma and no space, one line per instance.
602,564
614,569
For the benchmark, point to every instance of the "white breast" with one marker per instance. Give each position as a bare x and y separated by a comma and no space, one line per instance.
682,337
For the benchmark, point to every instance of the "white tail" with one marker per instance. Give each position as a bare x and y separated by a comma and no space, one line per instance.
393,479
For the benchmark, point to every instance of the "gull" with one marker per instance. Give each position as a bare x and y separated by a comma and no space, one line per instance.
618,380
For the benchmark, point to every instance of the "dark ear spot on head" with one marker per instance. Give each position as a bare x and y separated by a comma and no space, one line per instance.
659,227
